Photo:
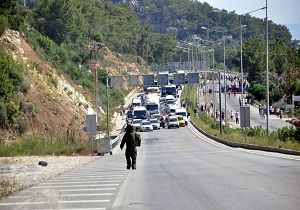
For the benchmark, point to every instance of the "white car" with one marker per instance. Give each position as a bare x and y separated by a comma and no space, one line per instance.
155,124
173,122
137,123
146,126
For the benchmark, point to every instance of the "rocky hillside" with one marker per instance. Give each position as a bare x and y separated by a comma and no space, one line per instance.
53,106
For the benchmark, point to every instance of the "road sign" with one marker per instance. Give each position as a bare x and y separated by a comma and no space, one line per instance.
116,81
134,80
162,79
296,98
193,78
91,124
179,79
245,116
148,79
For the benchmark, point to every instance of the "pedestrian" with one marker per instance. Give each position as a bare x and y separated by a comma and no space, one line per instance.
223,115
237,117
132,140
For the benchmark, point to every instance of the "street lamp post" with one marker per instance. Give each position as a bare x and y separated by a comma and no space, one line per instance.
267,60
267,73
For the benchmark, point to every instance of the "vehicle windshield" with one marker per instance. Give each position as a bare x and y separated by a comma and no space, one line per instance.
140,114
171,91
181,113
146,123
180,118
152,107
173,120
136,121
154,121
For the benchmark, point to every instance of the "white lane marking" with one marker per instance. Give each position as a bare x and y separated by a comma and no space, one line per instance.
98,173
82,182
268,155
84,179
67,195
60,202
245,150
97,189
76,209
80,185
22,203
90,175
84,201
203,137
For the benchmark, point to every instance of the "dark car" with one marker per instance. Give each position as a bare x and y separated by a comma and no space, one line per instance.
129,114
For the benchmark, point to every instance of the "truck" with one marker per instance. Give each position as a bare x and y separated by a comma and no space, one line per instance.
152,103
140,112
182,111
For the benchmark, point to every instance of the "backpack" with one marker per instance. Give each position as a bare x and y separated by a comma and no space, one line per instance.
138,139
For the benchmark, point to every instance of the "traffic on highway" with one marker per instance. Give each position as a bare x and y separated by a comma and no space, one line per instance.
157,107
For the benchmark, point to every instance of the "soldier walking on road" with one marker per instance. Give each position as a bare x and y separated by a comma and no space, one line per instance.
132,140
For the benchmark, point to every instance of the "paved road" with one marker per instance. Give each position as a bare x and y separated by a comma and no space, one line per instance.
176,169
232,103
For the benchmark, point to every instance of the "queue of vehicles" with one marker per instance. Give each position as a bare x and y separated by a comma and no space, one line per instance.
157,107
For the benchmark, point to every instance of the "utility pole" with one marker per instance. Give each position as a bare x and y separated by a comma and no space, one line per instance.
107,113
95,47
220,105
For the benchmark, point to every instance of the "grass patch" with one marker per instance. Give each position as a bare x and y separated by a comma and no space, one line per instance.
36,145
286,137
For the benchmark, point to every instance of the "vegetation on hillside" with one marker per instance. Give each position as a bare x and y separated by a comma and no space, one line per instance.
12,83
284,69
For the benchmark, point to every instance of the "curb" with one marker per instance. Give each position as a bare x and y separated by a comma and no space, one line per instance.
247,146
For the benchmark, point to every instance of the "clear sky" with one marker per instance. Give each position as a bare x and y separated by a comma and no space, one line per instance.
285,12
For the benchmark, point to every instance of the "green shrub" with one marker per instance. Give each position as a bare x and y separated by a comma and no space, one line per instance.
258,91
37,145
3,24
258,131
3,115
286,133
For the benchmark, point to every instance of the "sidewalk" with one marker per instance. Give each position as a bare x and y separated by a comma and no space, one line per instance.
233,104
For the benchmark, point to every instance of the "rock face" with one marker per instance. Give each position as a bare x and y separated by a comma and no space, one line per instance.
13,37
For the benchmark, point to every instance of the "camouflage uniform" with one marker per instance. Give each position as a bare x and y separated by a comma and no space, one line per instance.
131,139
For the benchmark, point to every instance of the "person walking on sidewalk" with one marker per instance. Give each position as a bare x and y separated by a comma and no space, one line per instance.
132,140
237,117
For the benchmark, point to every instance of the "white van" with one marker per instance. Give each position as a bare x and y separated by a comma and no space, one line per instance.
182,111
136,102
140,112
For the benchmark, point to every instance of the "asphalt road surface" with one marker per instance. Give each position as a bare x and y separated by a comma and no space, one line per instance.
232,103
176,169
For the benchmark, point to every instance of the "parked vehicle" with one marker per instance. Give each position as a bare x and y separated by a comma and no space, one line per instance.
146,126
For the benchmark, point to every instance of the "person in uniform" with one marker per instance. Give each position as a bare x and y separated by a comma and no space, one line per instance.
132,140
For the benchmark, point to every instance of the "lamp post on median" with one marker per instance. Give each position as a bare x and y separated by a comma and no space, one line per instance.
224,66
267,61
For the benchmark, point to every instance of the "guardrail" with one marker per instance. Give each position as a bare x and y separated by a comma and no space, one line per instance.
247,146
